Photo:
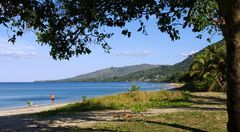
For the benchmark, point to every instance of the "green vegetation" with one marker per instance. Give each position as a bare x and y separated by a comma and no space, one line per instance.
143,73
172,122
69,31
136,101
29,103
101,75
208,70
163,73
134,88
84,98
207,112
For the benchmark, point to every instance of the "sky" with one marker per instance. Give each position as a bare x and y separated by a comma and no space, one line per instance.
27,61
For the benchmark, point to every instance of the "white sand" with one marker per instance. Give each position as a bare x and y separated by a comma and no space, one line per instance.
29,110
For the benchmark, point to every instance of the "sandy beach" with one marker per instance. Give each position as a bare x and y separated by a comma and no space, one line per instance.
30,110
21,119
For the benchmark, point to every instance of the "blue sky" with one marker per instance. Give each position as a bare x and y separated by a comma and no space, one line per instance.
27,61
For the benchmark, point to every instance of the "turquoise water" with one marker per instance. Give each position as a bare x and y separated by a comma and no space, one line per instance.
14,95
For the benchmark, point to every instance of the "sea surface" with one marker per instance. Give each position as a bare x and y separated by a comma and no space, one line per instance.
16,94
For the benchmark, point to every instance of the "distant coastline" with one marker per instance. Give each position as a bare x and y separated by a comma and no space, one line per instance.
134,73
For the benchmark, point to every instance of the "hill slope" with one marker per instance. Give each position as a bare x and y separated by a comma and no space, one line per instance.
109,72
143,72
158,74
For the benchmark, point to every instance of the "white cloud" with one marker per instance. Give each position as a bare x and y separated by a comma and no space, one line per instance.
17,51
18,54
133,54
189,53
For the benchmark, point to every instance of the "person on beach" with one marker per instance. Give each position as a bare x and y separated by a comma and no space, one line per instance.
52,98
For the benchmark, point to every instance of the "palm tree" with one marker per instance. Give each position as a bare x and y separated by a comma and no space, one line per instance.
209,68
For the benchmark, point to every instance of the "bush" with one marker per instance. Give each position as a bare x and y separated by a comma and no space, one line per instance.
29,103
134,88
84,98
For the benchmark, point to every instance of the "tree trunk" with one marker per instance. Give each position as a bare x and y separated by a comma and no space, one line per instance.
233,90
230,11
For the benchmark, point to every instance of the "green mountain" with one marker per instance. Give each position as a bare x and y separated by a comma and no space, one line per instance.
162,73
143,72
100,75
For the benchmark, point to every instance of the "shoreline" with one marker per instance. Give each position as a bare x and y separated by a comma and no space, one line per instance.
31,110
44,107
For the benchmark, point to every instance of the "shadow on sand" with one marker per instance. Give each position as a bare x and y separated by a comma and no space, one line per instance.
30,123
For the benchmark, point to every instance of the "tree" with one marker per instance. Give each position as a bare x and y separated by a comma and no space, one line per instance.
70,27
209,68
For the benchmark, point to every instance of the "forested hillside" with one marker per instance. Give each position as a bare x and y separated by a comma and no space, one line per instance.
204,70
162,73
108,72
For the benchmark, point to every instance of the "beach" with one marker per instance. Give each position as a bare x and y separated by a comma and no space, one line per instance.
30,110
23,119
39,107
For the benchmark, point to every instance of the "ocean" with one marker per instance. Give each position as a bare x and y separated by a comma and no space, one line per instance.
16,94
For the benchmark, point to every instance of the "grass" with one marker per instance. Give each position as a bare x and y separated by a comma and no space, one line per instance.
137,101
204,112
214,121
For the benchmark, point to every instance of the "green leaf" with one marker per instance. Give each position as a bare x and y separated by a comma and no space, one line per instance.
140,29
19,33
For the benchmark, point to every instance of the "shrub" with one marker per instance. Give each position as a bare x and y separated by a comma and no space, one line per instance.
84,98
29,103
134,88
